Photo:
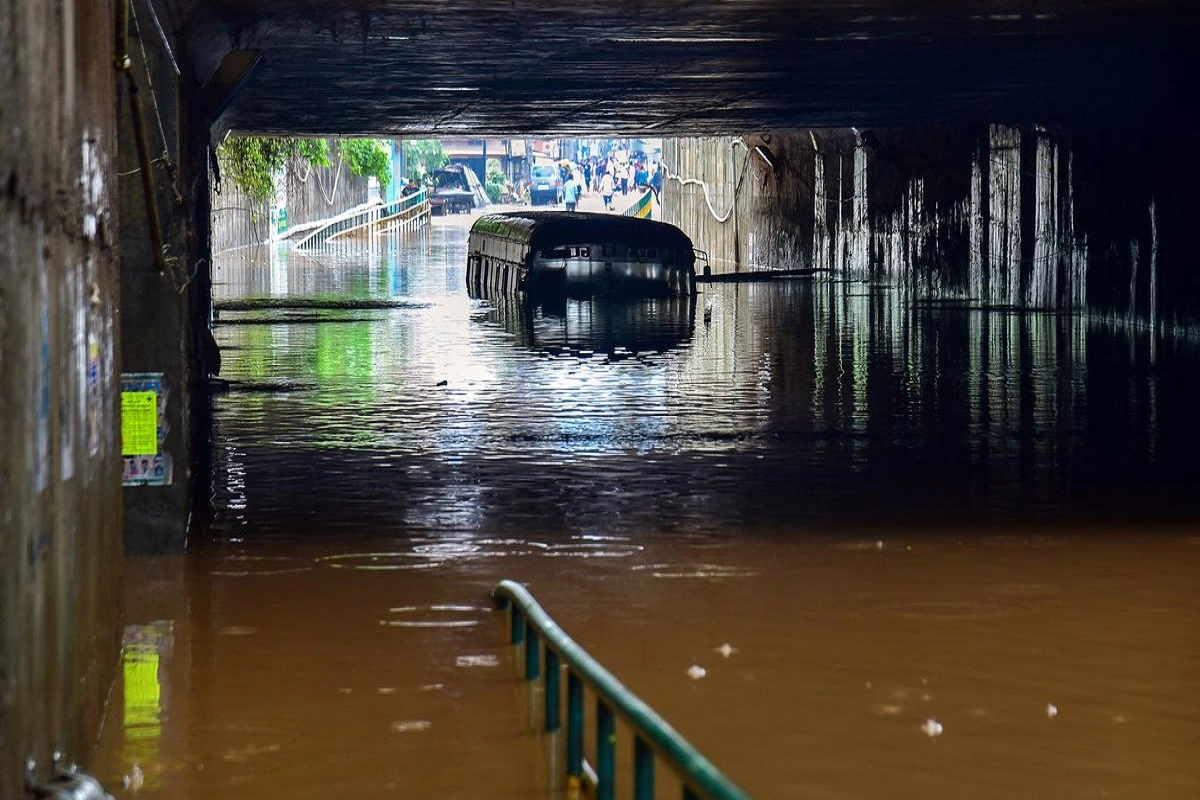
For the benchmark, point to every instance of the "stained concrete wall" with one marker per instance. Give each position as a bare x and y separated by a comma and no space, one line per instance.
997,216
60,467
238,220
166,301
699,196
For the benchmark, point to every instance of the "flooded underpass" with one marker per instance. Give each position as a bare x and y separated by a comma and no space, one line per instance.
918,551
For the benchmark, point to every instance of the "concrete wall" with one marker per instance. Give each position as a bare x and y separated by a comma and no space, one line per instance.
998,216
60,466
699,196
165,301
238,220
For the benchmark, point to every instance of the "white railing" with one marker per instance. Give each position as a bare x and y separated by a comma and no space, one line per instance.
415,205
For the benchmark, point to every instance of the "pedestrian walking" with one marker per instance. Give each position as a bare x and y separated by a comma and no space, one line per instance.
656,183
571,193
606,190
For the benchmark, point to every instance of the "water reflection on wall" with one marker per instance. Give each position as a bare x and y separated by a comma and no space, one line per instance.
893,408
1000,216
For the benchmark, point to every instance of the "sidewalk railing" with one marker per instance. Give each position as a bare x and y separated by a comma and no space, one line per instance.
412,205
652,736
642,207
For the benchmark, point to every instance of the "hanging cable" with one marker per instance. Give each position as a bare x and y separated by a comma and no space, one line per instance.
123,63
330,198
162,131
720,218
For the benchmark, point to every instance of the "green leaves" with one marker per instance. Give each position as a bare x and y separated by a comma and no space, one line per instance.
367,157
495,181
423,156
252,162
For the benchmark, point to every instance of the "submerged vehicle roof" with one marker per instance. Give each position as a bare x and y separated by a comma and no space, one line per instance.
538,229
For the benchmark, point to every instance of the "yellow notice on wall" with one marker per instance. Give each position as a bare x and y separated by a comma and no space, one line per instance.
139,423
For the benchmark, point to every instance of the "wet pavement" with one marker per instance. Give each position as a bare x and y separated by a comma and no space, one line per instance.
952,553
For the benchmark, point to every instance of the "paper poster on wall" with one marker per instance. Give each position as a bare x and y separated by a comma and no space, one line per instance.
139,423
143,430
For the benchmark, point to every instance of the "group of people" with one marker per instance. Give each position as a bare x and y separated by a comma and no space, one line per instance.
608,177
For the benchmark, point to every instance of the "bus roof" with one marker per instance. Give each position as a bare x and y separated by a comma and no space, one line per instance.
539,230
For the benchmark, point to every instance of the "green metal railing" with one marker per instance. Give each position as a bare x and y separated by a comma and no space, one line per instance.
652,736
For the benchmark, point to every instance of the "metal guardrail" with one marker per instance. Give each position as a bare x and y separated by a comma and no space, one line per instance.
347,222
652,736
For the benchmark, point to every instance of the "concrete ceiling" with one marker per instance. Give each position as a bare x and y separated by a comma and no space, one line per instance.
689,67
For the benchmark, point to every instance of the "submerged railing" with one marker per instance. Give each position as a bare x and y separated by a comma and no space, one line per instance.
415,204
652,736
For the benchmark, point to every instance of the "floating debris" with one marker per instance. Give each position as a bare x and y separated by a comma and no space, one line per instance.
931,728
238,630
696,672
726,650
711,571
134,780
477,661
306,303
299,319
269,386
409,725
1051,710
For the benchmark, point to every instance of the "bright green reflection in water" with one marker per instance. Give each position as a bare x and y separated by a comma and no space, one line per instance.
140,661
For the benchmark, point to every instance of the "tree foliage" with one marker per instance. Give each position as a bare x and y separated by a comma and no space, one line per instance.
423,156
367,157
495,181
252,162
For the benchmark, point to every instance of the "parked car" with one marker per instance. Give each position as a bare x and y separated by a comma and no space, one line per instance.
545,185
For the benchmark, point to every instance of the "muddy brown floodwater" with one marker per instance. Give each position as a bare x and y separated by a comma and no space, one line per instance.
952,552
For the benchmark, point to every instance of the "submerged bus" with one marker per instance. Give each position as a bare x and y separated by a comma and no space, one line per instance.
578,254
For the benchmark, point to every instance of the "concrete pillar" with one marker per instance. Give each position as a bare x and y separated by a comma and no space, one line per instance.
60,513
985,214
165,295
